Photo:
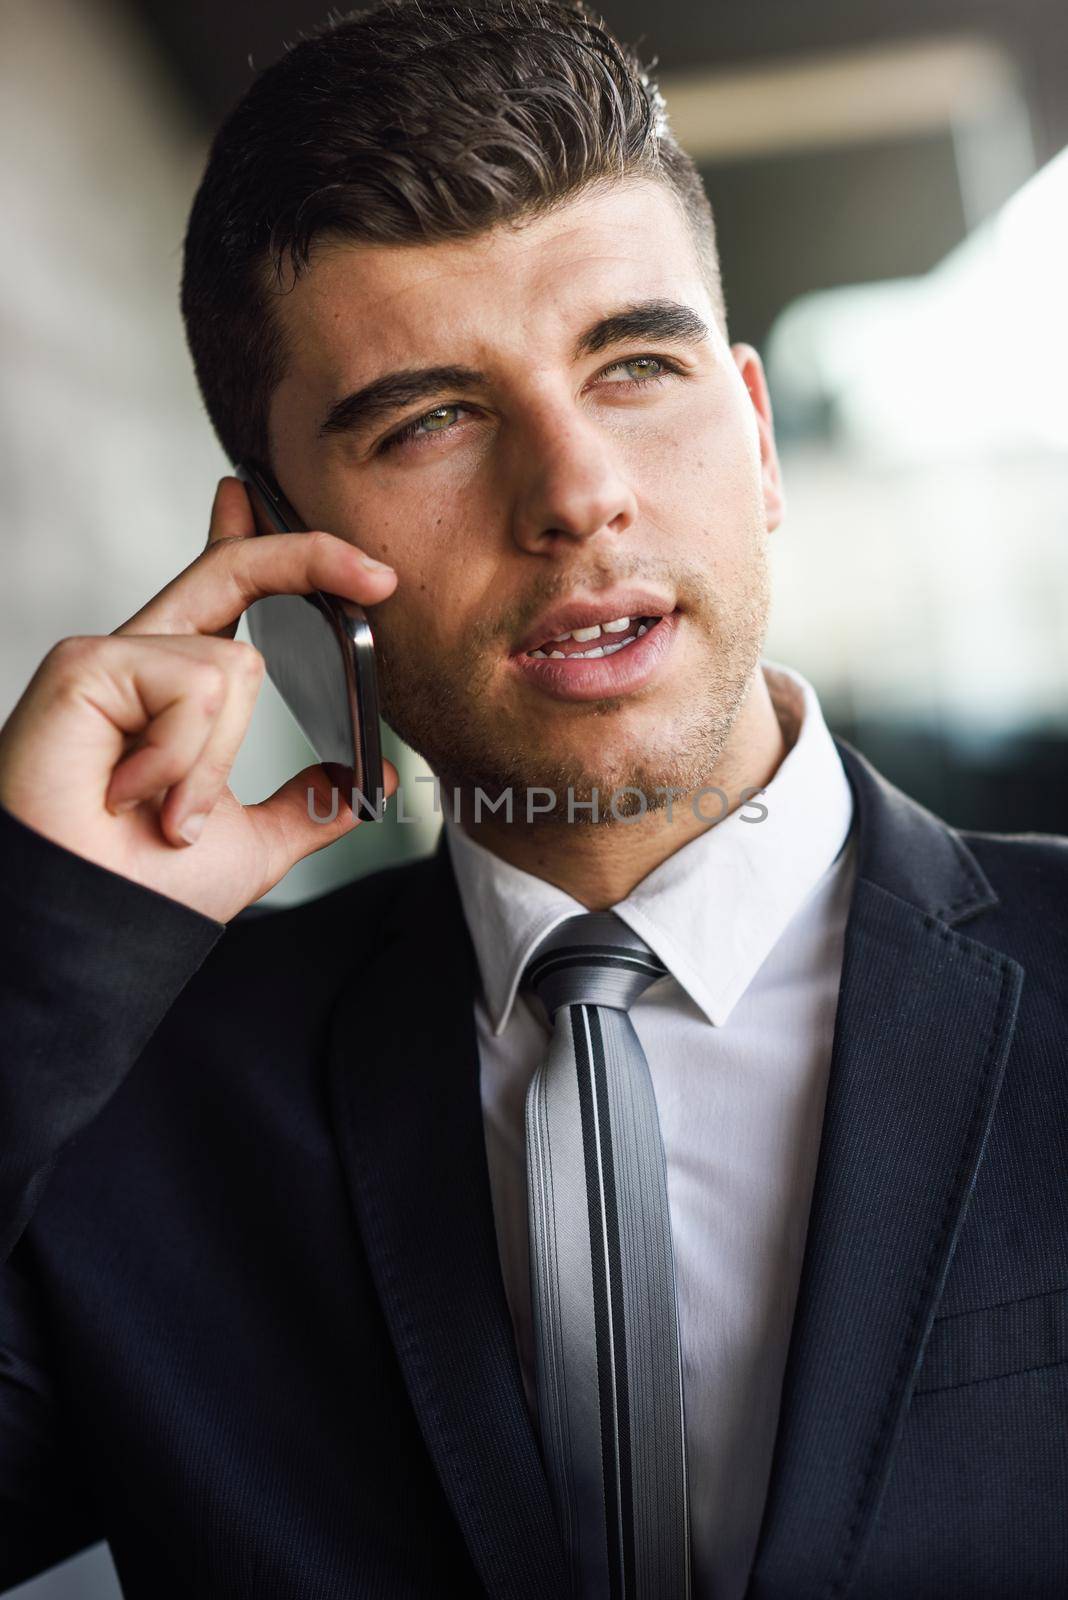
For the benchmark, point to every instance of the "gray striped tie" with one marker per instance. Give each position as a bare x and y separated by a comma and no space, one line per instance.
609,1371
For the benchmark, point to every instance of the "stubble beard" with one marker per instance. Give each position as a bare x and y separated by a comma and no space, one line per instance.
448,717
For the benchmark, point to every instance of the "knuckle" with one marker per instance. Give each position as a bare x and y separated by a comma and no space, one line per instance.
229,560
72,652
69,663
241,558
319,542
212,674
247,660
210,681
223,550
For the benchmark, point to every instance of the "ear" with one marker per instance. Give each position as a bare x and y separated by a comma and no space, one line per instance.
751,368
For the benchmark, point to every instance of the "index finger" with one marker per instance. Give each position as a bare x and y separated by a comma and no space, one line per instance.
225,579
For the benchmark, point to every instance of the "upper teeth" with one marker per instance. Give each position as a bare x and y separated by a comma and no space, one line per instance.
584,635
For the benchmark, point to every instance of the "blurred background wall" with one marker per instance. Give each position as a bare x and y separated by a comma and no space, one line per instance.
892,210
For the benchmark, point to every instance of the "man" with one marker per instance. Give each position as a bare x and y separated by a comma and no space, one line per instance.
642,1200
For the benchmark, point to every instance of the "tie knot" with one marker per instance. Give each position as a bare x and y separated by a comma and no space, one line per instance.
593,959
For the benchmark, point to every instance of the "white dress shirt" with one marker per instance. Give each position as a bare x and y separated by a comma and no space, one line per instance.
749,920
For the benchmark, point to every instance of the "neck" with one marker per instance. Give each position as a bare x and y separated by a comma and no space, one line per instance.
599,864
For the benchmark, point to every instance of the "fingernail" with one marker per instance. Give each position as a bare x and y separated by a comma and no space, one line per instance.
374,566
193,827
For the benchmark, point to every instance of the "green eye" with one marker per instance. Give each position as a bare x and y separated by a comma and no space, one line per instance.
437,421
440,420
638,369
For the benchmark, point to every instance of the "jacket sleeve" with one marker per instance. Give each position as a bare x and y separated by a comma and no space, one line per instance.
89,965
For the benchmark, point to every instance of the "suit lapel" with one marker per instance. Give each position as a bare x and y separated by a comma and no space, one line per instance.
405,1087
923,1028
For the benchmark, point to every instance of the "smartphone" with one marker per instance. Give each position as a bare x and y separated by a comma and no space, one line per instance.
319,654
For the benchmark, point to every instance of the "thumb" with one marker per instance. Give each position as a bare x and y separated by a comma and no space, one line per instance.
306,814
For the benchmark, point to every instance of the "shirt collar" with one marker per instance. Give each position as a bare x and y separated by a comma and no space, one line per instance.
713,910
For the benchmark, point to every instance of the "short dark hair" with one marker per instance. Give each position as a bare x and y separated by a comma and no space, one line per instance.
414,121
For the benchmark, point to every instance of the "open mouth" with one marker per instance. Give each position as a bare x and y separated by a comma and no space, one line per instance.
598,640
587,654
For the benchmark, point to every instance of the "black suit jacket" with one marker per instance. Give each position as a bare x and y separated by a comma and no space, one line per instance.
253,1329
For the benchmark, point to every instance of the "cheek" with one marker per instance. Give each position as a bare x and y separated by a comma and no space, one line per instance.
439,538
424,521
698,472
443,581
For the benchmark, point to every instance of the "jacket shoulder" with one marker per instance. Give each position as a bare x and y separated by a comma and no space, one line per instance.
1024,867
268,988
1029,874
325,935
378,888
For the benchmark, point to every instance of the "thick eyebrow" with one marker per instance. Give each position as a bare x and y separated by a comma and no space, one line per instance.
649,319
394,391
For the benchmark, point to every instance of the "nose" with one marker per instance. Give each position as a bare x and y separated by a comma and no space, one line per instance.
570,485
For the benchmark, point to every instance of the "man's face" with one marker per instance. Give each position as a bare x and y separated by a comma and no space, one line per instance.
599,455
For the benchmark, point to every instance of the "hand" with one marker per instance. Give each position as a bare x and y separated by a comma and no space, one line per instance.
121,747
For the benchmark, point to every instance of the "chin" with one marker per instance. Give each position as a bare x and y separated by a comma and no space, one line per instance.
616,740
609,768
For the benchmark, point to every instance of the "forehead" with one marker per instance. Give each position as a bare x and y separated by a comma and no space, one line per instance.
360,309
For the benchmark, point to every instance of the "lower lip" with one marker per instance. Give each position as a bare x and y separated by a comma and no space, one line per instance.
601,677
